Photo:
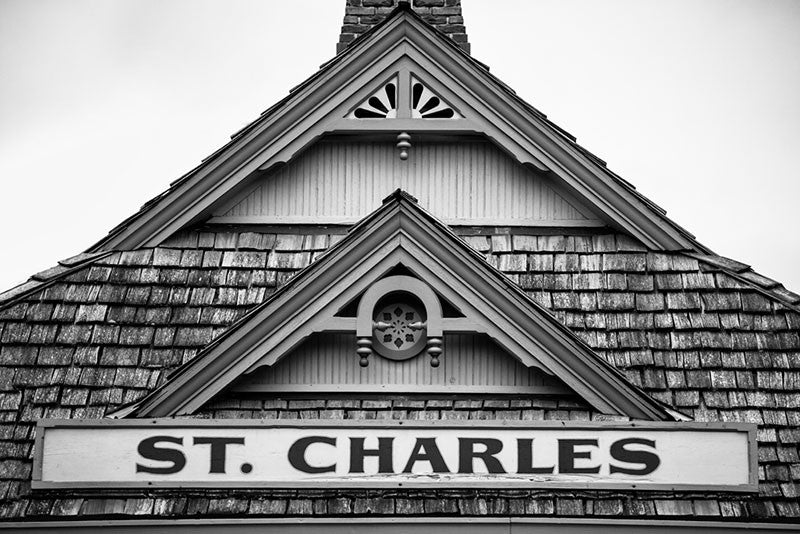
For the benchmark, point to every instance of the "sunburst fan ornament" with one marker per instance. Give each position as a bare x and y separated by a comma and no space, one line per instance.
425,104
381,105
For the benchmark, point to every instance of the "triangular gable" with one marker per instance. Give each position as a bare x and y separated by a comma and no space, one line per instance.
400,233
403,43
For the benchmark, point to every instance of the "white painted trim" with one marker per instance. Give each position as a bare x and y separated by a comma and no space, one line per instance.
449,325
410,389
271,220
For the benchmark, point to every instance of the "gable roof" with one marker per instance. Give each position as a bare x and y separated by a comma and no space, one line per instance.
400,232
695,338
318,106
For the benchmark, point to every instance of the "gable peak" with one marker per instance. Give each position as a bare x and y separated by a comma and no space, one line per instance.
360,16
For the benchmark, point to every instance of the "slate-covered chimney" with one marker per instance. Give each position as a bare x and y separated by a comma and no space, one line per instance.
444,15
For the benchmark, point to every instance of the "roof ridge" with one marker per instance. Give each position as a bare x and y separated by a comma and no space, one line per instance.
48,277
745,274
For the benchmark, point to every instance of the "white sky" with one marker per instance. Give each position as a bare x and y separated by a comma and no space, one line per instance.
104,102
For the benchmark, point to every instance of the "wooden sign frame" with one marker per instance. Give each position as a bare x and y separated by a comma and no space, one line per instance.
320,425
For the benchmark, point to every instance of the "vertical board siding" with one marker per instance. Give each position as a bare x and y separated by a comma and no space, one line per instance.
471,181
469,361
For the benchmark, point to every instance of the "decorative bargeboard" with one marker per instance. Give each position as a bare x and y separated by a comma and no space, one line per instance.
256,453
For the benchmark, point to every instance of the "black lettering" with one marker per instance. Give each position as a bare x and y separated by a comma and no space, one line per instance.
383,452
649,460
148,450
567,456
431,454
297,454
217,463
466,454
525,459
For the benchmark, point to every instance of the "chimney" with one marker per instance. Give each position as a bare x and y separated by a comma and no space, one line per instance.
444,15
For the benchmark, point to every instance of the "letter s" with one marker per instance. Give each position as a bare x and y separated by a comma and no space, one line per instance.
649,460
148,450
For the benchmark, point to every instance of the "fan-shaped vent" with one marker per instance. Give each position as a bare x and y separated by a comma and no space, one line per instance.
425,104
381,105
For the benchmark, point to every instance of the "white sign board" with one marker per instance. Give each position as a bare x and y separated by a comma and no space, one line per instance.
195,453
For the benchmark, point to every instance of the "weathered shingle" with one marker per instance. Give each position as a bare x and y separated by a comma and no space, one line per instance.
715,346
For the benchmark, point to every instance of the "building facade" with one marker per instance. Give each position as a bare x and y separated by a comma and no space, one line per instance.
399,300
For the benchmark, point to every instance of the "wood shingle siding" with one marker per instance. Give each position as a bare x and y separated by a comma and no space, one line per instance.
690,333
406,407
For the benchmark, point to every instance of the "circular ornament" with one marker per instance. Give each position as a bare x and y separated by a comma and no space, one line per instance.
399,331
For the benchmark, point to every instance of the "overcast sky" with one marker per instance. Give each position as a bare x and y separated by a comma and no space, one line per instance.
104,102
